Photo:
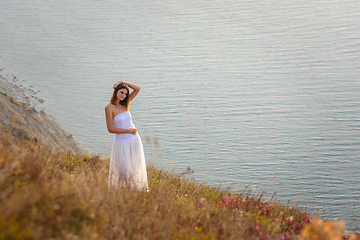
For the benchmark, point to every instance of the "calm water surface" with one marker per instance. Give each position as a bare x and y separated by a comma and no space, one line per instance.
240,91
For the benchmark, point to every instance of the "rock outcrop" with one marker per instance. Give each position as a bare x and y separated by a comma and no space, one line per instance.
20,121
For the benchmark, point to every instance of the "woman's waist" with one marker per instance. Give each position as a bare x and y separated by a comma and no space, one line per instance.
125,137
124,125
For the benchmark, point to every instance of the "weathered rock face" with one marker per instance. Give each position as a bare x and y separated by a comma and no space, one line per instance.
23,122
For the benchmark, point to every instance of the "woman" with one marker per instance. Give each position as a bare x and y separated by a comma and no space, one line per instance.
127,163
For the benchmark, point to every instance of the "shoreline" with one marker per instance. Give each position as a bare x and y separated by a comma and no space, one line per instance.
11,86
19,118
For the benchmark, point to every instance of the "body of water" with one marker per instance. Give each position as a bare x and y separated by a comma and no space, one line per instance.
264,94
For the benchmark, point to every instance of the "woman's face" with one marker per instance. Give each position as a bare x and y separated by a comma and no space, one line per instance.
121,94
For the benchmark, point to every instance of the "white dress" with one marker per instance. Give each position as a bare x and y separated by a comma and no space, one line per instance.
127,162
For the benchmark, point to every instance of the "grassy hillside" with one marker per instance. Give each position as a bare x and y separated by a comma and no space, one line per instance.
48,195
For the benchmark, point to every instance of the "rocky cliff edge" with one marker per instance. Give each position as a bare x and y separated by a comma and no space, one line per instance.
19,121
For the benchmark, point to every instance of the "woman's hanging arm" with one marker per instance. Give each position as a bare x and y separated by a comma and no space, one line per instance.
110,124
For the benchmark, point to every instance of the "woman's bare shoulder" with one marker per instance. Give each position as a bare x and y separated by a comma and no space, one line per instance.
109,106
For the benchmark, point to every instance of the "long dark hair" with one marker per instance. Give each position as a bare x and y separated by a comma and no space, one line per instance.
124,102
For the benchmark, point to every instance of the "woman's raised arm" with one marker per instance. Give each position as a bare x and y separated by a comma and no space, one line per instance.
134,87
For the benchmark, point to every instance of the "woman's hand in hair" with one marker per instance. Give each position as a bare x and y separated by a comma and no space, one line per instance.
116,84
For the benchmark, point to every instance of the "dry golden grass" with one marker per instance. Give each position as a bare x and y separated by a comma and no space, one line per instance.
64,196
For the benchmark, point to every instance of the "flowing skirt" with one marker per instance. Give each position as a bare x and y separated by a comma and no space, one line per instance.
127,165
